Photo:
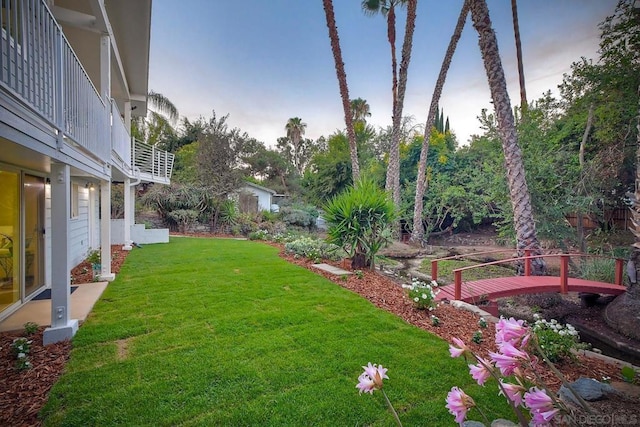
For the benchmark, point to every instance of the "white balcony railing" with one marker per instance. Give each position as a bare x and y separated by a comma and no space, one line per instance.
38,65
154,165
120,138
39,68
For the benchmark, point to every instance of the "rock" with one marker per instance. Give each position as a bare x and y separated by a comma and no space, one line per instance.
503,423
589,389
473,424
622,315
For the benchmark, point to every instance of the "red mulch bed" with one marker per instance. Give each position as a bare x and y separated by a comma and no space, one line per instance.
22,394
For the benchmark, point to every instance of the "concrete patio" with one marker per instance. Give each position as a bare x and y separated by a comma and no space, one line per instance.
82,301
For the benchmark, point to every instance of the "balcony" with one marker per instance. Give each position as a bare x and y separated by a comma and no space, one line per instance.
39,67
41,72
151,164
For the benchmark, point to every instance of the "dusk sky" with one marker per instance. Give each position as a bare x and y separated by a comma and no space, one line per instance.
263,62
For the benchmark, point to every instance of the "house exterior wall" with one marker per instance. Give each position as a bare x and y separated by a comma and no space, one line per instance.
79,227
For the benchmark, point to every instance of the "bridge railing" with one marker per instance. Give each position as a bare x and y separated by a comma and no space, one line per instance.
434,263
564,269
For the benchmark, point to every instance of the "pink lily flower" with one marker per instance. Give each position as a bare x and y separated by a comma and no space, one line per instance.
541,406
512,331
457,351
371,378
458,403
479,372
514,392
509,358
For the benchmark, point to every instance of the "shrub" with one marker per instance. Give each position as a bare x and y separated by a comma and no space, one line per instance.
20,348
314,249
598,269
299,216
30,328
358,221
423,294
555,339
259,235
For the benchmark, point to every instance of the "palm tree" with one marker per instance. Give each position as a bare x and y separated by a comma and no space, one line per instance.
162,116
342,83
519,192
516,32
393,171
295,128
418,228
360,110
387,9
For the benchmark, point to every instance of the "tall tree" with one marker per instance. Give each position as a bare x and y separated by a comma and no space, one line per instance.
360,110
295,128
342,83
393,171
160,121
387,8
418,227
524,223
516,32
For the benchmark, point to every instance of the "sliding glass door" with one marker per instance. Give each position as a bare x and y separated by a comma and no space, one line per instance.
33,233
9,238
21,236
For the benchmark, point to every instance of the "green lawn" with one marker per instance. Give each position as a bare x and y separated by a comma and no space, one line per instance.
202,332
445,270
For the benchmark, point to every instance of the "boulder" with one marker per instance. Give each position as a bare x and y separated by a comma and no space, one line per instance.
589,389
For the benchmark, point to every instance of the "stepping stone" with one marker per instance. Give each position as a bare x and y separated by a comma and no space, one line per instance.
331,269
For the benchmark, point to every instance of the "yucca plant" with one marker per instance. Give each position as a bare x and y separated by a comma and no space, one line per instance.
359,221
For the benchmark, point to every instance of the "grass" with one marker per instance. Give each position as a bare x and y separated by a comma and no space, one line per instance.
598,269
445,270
202,332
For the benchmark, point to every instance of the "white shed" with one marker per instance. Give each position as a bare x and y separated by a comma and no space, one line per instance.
263,194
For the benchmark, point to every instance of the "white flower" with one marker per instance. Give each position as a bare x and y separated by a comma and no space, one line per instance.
416,299
424,296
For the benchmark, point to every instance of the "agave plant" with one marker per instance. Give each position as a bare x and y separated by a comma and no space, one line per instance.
359,221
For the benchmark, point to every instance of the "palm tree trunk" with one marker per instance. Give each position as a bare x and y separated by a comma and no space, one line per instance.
516,31
393,172
344,90
421,183
519,192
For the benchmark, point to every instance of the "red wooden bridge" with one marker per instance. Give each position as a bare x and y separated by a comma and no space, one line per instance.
490,289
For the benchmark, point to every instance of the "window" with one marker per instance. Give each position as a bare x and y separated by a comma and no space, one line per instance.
75,196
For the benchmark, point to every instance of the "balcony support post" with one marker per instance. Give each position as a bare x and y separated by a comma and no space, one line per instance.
105,231
62,326
126,188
